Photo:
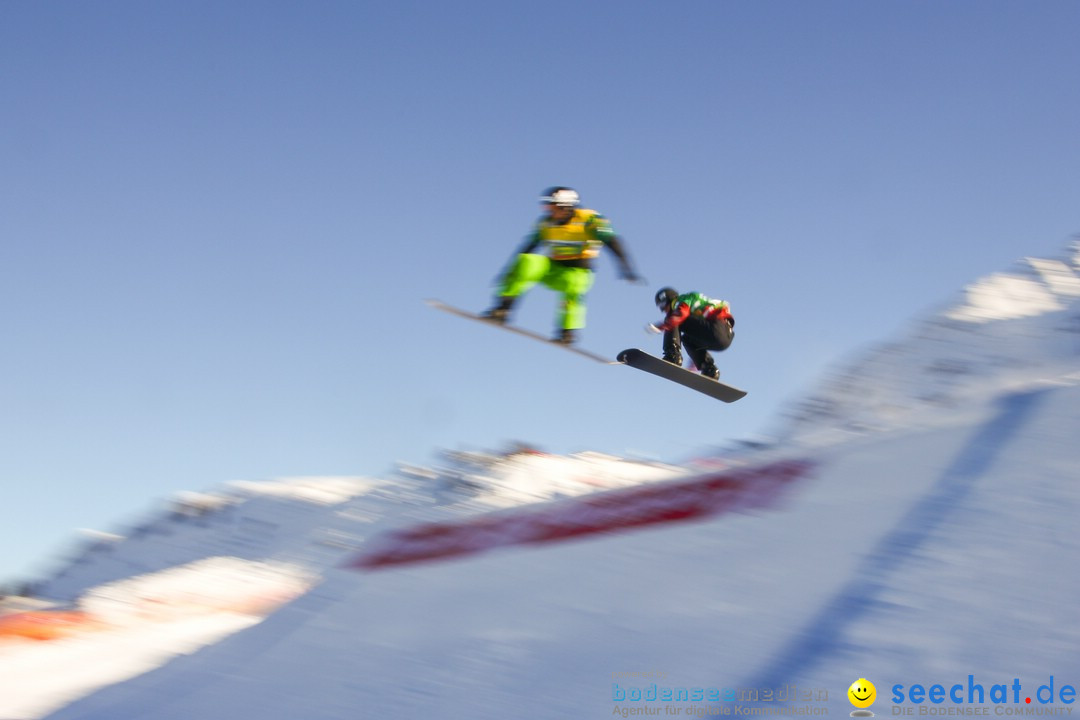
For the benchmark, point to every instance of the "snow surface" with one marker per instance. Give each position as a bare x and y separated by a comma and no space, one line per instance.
211,564
139,623
934,541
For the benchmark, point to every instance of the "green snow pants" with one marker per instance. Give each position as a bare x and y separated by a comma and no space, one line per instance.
529,269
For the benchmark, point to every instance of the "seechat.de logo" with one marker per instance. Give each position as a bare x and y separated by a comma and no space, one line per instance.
1015,698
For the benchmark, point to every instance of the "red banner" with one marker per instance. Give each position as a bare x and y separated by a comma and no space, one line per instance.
603,512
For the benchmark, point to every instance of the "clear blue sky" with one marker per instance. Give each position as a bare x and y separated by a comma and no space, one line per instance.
218,220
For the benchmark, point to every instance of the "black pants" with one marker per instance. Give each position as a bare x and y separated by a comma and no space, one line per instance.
699,336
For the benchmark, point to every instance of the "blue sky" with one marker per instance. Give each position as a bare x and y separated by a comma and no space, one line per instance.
218,221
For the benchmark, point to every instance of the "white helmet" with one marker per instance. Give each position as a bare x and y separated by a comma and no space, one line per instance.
561,196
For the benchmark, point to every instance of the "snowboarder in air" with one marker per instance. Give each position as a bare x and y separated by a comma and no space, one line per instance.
572,238
697,322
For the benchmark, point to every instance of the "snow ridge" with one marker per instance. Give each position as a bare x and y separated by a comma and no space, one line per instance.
1008,331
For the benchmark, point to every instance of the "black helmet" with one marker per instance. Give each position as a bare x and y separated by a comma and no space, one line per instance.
664,297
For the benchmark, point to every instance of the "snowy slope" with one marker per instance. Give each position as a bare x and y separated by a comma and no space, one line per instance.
982,579
127,627
932,539
313,521
1006,330
875,567
211,564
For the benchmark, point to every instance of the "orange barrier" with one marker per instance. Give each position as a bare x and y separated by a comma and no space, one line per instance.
46,624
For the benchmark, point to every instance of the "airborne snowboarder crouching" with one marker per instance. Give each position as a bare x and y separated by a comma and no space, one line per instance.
572,237
697,322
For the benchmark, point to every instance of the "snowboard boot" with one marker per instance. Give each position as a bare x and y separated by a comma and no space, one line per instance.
709,369
500,312
566,336
673,347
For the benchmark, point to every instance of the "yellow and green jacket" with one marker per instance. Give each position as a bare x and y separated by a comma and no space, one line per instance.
576,242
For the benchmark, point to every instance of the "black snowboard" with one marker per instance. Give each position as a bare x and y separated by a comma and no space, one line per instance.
651,364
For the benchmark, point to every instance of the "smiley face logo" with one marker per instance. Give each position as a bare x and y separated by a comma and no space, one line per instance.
862,693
